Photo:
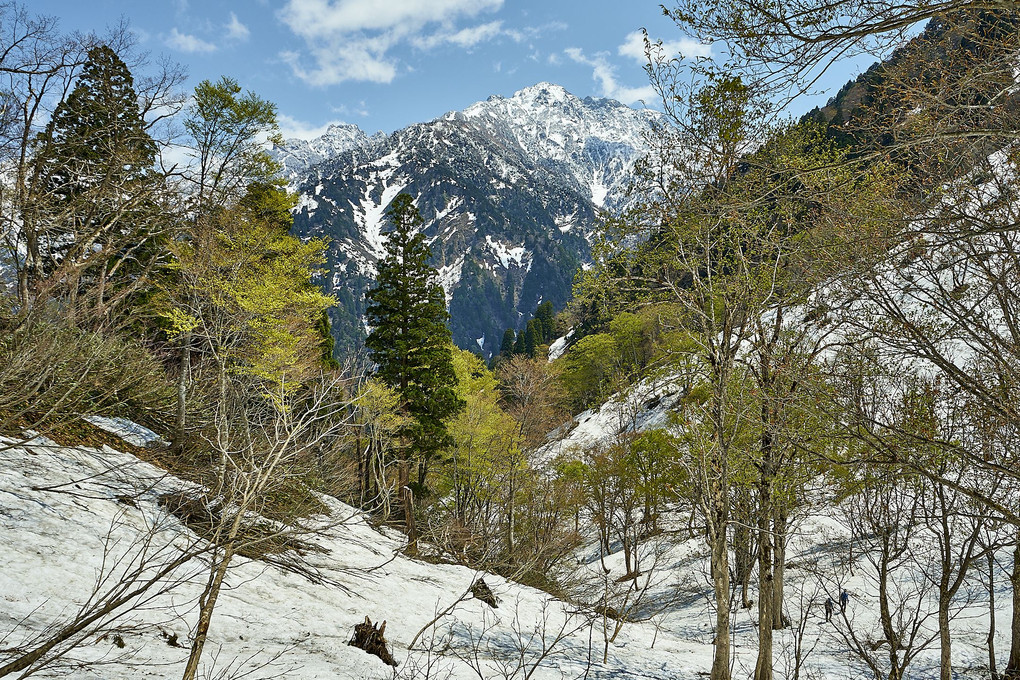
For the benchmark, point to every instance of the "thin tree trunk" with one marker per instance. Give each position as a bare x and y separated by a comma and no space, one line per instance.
407,501
945,640
766,560
207,604
885,612
991,615
183,377
766,585
1013,666
779,619
721,585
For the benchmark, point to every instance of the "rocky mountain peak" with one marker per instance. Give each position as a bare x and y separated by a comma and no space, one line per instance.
510,190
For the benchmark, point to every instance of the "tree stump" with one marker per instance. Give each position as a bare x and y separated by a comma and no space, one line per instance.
480,589
371,639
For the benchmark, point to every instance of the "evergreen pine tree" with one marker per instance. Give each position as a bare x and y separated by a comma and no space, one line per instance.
532,337
506,348
544,315
94,182
519,347
410,340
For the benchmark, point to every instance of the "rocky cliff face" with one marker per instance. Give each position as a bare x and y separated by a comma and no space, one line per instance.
510,190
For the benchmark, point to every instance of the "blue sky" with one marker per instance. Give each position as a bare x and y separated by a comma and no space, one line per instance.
384,64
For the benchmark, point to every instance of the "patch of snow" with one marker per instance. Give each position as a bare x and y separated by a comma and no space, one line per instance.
599,190
566,222
559,346
506,255
129,431
371,216
449,277
306,202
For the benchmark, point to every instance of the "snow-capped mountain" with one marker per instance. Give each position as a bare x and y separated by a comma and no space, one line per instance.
510,190
594,141
298,155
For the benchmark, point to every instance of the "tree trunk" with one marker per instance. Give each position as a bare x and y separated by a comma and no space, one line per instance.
779,619
766,586
991,615
1013,666
721,585
183,377
743,557
407,501
945,641
207,603
885,611
766,544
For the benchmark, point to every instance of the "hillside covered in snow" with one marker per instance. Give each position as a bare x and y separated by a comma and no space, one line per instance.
81,525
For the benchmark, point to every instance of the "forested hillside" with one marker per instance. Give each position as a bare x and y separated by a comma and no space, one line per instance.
771,434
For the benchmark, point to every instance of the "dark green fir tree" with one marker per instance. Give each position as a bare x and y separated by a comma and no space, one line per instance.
544,314
410,341
506,348
94,185
532,337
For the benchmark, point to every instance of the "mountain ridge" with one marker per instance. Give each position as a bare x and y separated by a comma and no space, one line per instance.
511,190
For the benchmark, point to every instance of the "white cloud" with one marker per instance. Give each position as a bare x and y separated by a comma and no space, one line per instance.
634,47
466,37
605,75
236,30
292,128
352,39
351,110
188,43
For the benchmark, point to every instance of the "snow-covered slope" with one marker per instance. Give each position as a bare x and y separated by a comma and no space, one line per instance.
67,514
594,141
298,155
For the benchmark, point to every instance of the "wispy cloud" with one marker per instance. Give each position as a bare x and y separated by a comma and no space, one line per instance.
292,128
604,74
465,37
354,39
186,42
634,47
236,30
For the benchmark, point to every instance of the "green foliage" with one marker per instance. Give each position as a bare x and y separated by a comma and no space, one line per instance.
484,437
538,332
94,214
506,347
97,122
589,373
410,341
243,285
545,316
228,130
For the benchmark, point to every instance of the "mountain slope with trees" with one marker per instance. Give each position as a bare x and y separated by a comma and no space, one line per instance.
510,191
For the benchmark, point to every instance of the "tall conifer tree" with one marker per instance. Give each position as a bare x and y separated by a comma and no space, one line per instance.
94,183
410,340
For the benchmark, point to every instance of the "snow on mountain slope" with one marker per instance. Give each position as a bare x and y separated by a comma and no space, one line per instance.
58,505
510,190
298,155
596,141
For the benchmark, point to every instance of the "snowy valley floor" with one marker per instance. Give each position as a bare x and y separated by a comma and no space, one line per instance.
67,514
